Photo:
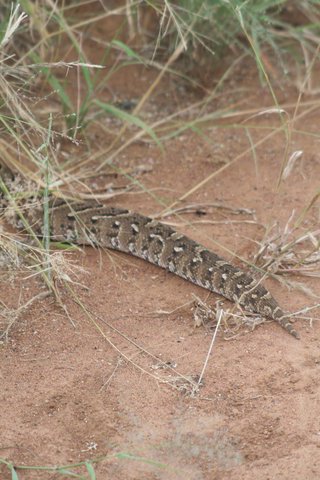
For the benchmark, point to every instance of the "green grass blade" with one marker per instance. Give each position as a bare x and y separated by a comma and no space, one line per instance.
55,84
128,51
129,456
14,475
91,471
128,118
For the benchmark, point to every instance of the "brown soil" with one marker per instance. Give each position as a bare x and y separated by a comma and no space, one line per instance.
71,392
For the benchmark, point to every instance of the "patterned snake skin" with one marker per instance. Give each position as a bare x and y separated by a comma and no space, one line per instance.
159,244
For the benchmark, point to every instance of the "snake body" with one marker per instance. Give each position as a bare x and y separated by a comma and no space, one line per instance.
161,245
155,242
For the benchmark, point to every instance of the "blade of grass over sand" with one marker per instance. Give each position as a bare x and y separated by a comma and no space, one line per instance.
83,107
129,456
158,126
84,104
67,471
95,319
47,37
173,57
236,159
260,63
129,51
74,115
310,204
128,118
307,77
164,124
77,470
54,82
23,145
46,196
220,314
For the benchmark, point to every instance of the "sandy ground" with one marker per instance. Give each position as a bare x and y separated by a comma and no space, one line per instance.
95,386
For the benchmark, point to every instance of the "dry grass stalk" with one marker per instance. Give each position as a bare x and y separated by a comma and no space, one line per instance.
288,251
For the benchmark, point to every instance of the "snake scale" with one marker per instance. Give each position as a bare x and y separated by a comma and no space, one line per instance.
159,244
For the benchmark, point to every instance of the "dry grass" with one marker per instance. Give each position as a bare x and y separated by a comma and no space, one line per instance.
36,127
287,251
39,161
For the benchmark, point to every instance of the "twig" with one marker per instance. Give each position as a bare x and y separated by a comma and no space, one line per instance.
195,389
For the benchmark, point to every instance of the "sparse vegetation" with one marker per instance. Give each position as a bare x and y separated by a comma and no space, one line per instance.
82,470
66,127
